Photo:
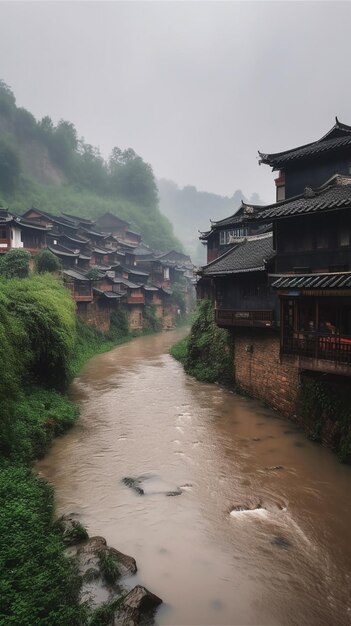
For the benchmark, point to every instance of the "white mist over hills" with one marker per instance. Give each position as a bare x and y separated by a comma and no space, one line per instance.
190,211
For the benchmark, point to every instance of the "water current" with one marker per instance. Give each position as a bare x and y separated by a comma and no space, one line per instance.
288,563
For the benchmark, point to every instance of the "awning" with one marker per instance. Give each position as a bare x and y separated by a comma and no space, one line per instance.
337,280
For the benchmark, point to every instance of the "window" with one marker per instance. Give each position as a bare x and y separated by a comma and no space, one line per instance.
225,236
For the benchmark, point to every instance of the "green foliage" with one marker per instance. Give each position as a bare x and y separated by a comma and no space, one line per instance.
104,614
178,296
7,100
180,350
132,178
46,261
210,356
109,566
118,324
46,312
93,273
324,406
15,264
38,584
209,351
38,417
151,321
9,166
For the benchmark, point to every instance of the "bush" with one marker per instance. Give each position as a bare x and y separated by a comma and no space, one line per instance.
38,584
46,261
207,354
109,567
15,264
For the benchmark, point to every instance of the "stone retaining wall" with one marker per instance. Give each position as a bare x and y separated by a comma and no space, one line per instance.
259,371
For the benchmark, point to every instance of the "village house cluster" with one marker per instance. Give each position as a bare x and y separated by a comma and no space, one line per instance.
279,275
127,273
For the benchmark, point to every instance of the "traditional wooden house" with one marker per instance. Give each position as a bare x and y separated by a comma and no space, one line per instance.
79,285
224,232
110,223
18,232
312,274
312,164
239,283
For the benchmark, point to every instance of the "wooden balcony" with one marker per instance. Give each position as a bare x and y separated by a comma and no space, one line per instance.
80,295
259,318
137,298
318,352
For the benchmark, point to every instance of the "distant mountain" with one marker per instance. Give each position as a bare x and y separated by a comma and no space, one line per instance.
191,210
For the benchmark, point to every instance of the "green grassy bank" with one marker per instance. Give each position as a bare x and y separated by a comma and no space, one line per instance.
42,348
207,352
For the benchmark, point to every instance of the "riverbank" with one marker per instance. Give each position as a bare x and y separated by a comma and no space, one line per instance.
323,409
43,347
143,417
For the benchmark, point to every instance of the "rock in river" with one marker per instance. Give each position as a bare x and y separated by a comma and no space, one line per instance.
137,604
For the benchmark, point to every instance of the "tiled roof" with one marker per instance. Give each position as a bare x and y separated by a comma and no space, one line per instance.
338,280
249,254
107,294
62,251
338,137
75,274
334,194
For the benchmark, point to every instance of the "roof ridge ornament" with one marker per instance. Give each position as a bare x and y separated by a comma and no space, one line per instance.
309,192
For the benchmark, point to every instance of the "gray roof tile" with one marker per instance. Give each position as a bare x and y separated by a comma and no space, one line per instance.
248,255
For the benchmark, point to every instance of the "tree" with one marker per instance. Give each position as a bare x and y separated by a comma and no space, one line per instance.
7,100
25,123
132,178
15,264
9,166
46,261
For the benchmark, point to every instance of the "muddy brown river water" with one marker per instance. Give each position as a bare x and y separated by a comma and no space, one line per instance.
288,563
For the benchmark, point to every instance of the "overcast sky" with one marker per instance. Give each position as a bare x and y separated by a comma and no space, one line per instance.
196,88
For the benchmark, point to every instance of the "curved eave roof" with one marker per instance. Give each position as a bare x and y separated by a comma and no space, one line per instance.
250,254
338,138
334,194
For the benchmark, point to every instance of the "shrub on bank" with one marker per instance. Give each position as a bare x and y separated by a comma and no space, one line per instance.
207,353
325,410
38,584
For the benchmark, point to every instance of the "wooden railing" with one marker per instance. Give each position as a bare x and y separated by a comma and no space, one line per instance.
336,348
235,317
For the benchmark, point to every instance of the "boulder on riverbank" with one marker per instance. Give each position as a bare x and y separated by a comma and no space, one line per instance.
138,604
101,568
72,530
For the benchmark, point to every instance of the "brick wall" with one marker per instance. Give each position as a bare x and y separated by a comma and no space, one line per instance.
93,314
135,317
258,369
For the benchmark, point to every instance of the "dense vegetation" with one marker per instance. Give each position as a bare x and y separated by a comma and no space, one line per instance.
42,347
37,329
207,352
75,178
325,410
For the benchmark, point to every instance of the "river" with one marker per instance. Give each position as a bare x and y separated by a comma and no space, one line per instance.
288,563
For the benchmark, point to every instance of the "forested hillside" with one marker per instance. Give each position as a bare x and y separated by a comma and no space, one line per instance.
50,167
191,210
